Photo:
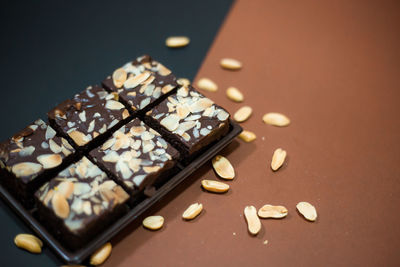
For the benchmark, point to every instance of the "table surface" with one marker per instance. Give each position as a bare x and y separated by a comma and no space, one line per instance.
331,67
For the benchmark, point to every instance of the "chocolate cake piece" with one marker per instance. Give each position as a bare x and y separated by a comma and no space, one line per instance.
89,118
141,83
79,203
189,120
30,158
137,156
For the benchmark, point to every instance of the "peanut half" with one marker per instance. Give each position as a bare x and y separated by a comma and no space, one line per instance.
101,255
234,94
214,186
207,85
276,119
153,222
192,211
242,114
177,41
231,64
28,242
247,136
307,210
253,222
270,211
223,167
278,158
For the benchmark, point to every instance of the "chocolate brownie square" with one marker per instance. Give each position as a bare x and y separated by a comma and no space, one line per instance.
189,120
79,203
88,118
137,156
30,158
141,83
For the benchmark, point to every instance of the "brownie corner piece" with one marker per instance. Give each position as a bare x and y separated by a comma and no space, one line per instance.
31,157
79,203
88,117
137,156
141,83
190,120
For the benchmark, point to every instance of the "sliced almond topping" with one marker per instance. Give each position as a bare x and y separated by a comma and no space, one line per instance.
214,186
54,147
60,205
231,64
114,105
28,242
207,84
243,114
192,211
49,160
101,255
270,211
162,70
119,77
171,122
151,169
183,81
253,222
276,119
134,81
278,158
177,41
234,94
78,137
125,114
247,136
307,210
167,88
153,222
223,167
26,169
66,188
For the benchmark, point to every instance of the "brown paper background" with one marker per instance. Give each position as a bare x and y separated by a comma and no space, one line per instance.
333,67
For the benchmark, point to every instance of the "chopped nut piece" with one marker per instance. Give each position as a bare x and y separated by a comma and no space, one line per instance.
177,41
214,186
183,81
234,94
50,160
278,158
119,77
243,114
28,242
207,84
276,119
269,211
101,255
153,222
26,169
307,210
223,167
247,136
253,222
192,211
60,205
231,64
78,137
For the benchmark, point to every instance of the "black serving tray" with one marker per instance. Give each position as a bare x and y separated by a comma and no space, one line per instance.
76,257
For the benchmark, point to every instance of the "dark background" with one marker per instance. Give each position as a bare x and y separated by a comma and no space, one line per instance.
51,50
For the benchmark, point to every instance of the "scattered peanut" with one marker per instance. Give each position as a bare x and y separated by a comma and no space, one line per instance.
278,158
276,119
223,167
153,222
192,211
307,210
231,64
269,211
177,41
243,114
247,136
253,222
101,255
207,84
234,94
214,186
28,242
